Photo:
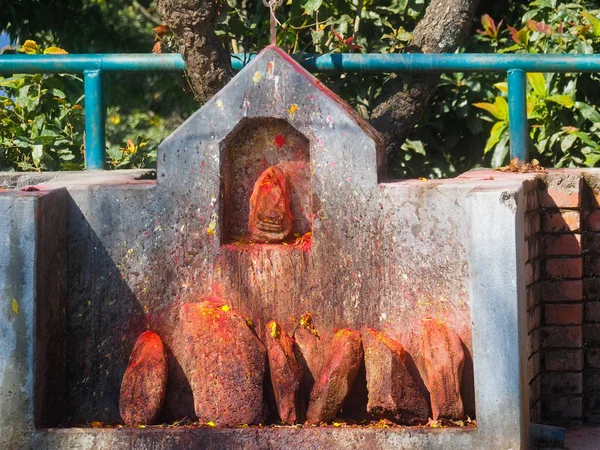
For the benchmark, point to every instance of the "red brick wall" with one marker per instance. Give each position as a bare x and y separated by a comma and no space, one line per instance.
591,299
561,297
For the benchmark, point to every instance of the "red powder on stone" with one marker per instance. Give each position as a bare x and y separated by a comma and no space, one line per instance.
279,141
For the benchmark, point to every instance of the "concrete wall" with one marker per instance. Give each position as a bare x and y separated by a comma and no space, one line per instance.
32,286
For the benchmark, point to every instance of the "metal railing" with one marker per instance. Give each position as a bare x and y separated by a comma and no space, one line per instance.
516,67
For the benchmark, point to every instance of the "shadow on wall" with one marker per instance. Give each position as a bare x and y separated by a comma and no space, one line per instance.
104,320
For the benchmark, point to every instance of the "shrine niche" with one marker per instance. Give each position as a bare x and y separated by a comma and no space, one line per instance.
265,161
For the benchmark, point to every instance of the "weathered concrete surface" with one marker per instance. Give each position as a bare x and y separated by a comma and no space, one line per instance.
283,438
17,180
32,287
498,303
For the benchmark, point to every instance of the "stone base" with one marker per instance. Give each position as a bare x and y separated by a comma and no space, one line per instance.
257,438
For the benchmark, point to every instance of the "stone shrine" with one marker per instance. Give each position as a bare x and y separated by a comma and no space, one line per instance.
271,198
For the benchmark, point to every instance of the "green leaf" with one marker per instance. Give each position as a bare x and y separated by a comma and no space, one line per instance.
317,36
502,87
588,112
595,22
499,109
585,138
497,130
417,146
538,83
500,152
37,153
563,100
567,142
311,6
58,93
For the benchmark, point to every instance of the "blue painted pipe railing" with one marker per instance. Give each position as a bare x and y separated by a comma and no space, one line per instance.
516,66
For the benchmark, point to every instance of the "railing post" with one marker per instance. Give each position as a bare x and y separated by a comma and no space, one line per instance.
517,114
95,146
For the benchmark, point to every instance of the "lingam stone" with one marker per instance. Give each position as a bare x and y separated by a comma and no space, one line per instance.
310,352
331,388
270,215
443,362
286,374
145,381
393,392
224,362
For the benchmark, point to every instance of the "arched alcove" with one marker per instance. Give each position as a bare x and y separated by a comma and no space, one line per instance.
254,145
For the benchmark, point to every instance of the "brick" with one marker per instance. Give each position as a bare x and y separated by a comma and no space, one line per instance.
557,198
567,337
534,248
592,380
531,199
591,265
591,242
564,268
593,221
533,295
563,314
562,383
558,407
563,360
591,405
534,318
562,244
534,341
562,291
591,288
532,272
592,358
532,223
562,190
558,222
535,389
591,333
535,413
592,312
534,365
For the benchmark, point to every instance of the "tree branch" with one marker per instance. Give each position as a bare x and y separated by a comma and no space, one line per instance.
404,99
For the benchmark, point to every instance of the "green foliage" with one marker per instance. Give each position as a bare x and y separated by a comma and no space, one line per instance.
465,126
40,126
564,125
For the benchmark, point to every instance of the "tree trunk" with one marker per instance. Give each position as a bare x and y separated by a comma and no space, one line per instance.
208,62
445,25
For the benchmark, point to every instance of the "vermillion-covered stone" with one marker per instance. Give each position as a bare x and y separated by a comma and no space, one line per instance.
310,353
393,392
145,381
224,362
286,374
339,371
443,362
270,215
